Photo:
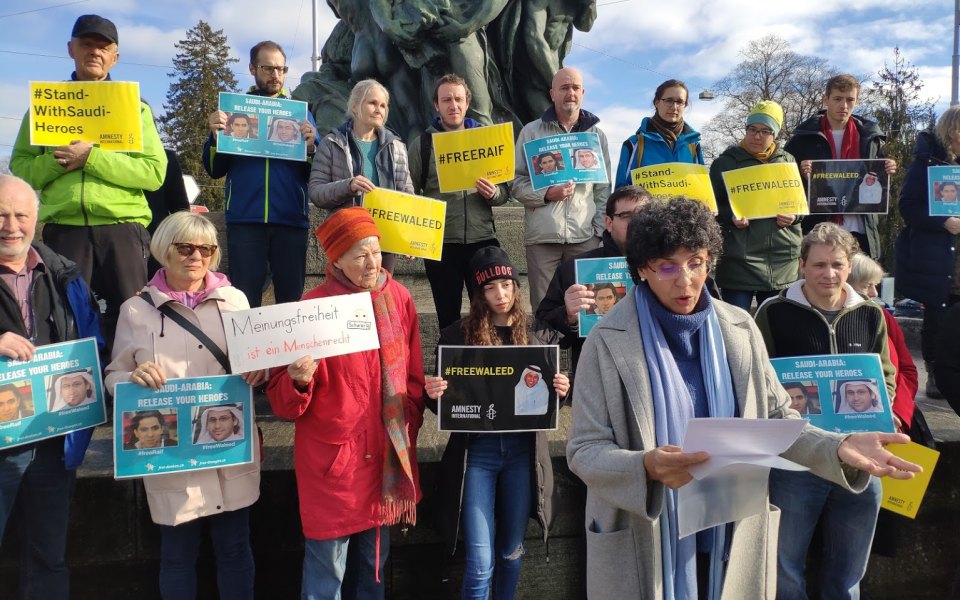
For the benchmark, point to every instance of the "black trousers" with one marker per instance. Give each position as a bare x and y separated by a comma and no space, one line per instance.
112,258
448,276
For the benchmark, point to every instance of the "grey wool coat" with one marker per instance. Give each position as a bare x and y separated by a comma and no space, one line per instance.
613,426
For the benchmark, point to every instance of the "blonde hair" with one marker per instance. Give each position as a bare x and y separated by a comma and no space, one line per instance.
183,226
359,94
863,270
947,127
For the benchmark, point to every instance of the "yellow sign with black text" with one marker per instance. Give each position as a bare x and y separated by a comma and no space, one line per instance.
903,496
462,157
408,224
766,191
104,113
675,179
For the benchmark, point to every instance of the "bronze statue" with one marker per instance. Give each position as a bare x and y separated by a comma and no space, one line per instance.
506,50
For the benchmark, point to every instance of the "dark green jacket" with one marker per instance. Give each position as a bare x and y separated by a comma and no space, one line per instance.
761,256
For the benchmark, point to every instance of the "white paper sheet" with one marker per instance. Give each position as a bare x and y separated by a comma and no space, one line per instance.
732,484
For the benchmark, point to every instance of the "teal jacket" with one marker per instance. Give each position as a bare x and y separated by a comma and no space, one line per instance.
762,256
107,190
647,147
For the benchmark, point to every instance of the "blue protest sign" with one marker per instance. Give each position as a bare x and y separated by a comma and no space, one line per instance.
609,280
844,393
262,126
558,159
944,183
58,391
190,424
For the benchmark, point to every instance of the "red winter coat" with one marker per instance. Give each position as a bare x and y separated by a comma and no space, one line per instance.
907,378
340,438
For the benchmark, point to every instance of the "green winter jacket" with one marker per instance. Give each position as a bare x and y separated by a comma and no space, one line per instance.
761,256
107,190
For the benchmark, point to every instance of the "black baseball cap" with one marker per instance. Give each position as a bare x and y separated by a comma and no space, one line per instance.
95,25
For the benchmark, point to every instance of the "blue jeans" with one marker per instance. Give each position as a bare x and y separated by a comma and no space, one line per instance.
345,567
744,298
494,513
180,546
252,247
847,522
35,491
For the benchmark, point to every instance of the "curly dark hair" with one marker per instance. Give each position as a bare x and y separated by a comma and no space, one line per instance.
661,228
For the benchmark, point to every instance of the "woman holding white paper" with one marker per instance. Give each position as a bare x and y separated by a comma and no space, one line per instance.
487,479
665,354
151,348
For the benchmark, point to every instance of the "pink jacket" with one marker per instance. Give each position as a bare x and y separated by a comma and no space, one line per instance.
180,497
340,438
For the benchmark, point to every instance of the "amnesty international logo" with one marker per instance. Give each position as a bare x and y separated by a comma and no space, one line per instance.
491,412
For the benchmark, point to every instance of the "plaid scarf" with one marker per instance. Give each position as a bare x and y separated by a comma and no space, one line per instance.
668,131
399,493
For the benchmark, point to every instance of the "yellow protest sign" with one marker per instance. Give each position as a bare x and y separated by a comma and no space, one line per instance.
766,191
105,113
903,496
408,224
464,156
672,179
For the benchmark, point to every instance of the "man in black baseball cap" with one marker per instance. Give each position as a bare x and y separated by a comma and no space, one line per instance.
95,25
92,199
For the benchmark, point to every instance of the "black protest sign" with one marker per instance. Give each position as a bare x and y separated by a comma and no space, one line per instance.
840,187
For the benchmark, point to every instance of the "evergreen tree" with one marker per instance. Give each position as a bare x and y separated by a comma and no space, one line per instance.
894,100
202,69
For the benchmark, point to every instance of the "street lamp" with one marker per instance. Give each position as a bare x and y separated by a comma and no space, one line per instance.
707,95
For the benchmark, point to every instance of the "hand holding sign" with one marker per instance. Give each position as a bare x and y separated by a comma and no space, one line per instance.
18,347
301,370
435,386
559,193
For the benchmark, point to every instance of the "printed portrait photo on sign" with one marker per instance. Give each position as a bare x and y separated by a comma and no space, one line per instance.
70,390
857,396
605,297
220,423
150,429
242,126
946,191
804,397
548,163
584,159
16,401
284,130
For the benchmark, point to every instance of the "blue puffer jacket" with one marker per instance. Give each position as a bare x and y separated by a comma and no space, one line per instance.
656,151
925,251
261,190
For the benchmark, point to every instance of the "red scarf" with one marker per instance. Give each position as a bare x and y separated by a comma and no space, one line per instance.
849,146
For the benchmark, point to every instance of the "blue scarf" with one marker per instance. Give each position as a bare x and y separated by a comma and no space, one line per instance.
672,408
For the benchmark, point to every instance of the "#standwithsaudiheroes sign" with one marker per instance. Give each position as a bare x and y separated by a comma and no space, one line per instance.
670,179
273,336
104,113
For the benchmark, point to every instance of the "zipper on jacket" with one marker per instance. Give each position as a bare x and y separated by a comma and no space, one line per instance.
83,207
266,191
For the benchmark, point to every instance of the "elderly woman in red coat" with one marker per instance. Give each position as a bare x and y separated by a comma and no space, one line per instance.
357,418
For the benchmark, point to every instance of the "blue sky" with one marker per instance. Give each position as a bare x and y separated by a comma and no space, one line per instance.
633,46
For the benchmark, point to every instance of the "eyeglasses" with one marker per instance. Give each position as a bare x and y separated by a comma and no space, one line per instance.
761,131
625,215
272,69
674,101
184,249
669,270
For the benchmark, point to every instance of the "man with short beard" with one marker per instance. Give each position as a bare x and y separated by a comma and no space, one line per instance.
469,220
268,215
